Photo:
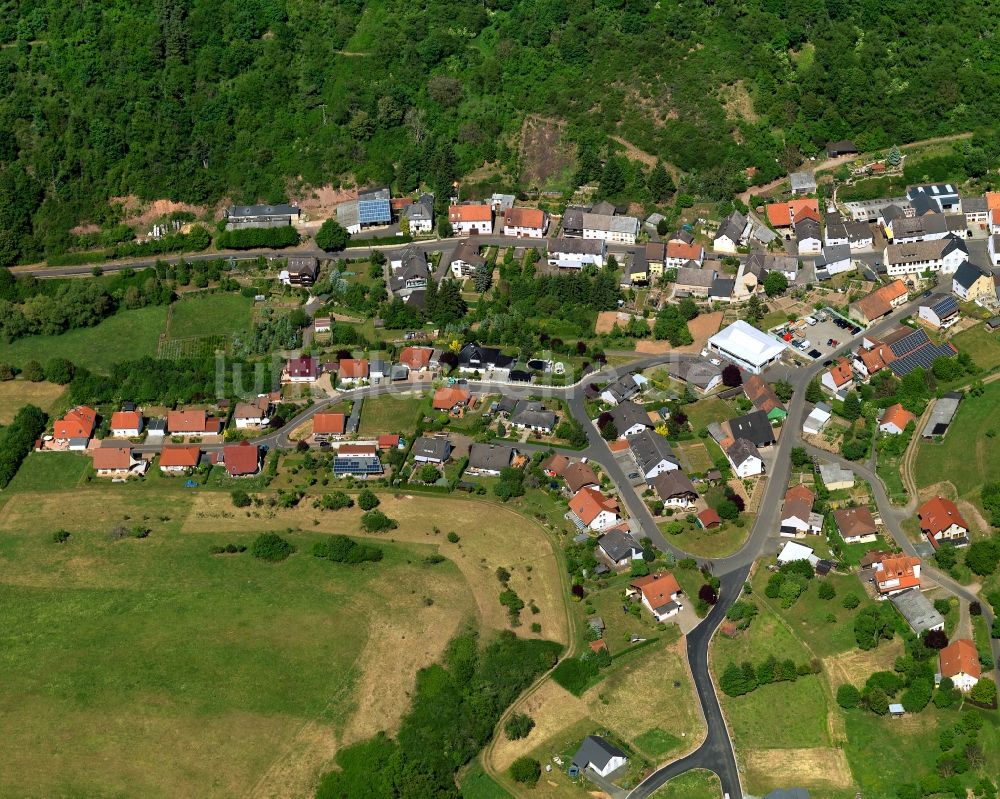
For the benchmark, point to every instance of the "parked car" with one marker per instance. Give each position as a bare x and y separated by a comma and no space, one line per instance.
810,321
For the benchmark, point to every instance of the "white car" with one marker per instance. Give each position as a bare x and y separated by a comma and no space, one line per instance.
715,361
810,320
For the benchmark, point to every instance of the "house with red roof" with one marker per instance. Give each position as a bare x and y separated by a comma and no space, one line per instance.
76,427
126,424
301,370
113,461
797,517
192,423
856,525
894,420
593,509
659,593
448,398
941,522
897,573
680,252
783,216
328,425
178,460
471,219
525,222
352,371
242,460
388,441
416,359
959,662
839,378
708,519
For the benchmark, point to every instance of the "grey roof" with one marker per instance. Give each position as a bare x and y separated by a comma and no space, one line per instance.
835,230
832,254
468,252
490,457
943,305
788,793
421,210
303,265
374,194
623,388
806,229
618,544
347,213
764,234
689,276
604,207
673,484
682,235
279,209
927,225
628,414
732,226
916,251
697,373
957,223
759,264
436,448
722,287
967,274
802,181
834,473
650,448
611,224
917,610
532,413
597,751
974,205
575,246
755,427
858,231
156,424
942,414
892,212
573,217
741,450
506,404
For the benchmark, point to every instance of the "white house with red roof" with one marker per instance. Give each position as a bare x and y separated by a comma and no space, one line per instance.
126,424
471,219
593,509
959,662
76,428
660,594
897,573
525,222
838,378
941,522
352,371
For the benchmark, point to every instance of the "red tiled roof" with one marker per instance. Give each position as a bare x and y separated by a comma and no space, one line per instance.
901,568
77,423
112,458
938,514
660,590
618,446
241,459
878,357
470,213
689,252
995,216
577,475
897,415
841,372
416,357
353,368
125,420
180,456
524,217
783,214
195,421
854,522
709,518
388,441
358,449
328,423
960,657
598,645
588,503
448,397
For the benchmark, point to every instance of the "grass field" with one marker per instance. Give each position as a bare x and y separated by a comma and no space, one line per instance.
183,673
696,454
210,314
14,394
716,543
698,784
967,455
708,410
391,413
125,336
982,345
477,784
51,471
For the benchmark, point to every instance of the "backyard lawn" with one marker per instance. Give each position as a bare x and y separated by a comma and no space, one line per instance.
391,413
982,345
128,335
210,314
705,411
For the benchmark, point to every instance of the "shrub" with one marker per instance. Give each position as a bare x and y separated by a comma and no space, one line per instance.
374,521
526,770
827,591
575,674
334,501
341,549
332,236
271,547
848,696
60,536
453,537
241,499
33,371
850,601
367,499
984,692
518,726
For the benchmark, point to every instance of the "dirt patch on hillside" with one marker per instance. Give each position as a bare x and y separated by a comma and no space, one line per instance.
545,154
141,214
553,709
320,202
738,103
772,767
606,320
701,328
634,153
856,665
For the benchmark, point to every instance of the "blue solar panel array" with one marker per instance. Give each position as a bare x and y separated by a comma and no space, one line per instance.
374,211
360,466
923,357
945,307
918,338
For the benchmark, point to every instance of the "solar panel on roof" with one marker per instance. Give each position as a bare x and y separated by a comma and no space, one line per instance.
923,357
909,343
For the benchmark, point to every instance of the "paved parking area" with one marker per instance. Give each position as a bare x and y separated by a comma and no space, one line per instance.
825,336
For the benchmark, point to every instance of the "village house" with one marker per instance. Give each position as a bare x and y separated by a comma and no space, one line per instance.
896,573
879,303
239,217
797,517
904,230
808,234
192,423
126,424
593,509
577,475
696,282
732,233
630,419
940,311
941,522
660,594
941,197
408,273
894,420
761,265
782,215
488,460
678,254
754,427
993,248
675,489
855,525
75,428
532,415
756,389
476,358
451,398
802,182
597,755
940,255
917,610
252,415
976,211
709,519
959,662
114,462
839,378
416,359
301,370
178,460
703,376
360,461
432,449
618,548
471,219
576,253
300,270
817,419
745,458
973,284
525,223
612,229
329,426
466,260
419,215
652,453
242,459
352,371
832,260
